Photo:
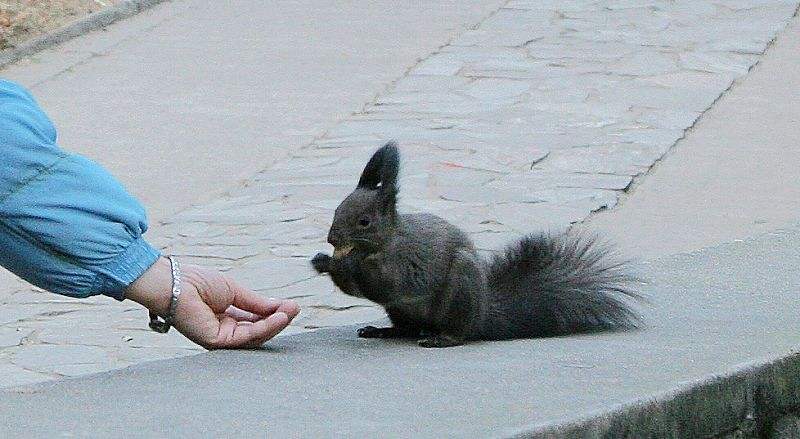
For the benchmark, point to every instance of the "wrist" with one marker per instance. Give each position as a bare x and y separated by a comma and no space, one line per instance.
153,289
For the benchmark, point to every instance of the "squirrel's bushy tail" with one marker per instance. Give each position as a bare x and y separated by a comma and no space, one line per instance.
556,285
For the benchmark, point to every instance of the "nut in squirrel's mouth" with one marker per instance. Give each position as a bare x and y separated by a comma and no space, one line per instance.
340,252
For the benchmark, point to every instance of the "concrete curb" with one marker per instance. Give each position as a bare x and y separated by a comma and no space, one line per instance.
745,403
755,400
95,21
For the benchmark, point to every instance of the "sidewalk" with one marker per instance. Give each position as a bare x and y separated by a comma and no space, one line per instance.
733,176
537,115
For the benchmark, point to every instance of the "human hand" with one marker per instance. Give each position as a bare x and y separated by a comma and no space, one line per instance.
213,311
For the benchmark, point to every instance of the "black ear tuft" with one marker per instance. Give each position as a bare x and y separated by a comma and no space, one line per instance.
382,169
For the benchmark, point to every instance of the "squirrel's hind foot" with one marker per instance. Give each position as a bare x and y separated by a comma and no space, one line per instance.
391,332
441,341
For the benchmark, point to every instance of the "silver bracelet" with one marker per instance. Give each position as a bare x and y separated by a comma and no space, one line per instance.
162,326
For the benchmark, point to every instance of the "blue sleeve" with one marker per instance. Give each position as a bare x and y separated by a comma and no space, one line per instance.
66,225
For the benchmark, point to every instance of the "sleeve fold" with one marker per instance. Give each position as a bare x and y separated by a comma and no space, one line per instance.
66,225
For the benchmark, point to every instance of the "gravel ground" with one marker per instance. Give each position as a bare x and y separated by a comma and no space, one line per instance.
21,20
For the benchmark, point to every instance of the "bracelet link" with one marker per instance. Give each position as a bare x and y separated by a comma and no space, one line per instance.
162,326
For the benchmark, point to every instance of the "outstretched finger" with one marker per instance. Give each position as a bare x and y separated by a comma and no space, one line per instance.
233,334
247,300
290,308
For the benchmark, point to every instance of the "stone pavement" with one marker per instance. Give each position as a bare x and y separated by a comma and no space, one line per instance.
538,116
703,367
733,176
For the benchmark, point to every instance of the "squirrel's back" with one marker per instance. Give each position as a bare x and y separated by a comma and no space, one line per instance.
421,252
426,229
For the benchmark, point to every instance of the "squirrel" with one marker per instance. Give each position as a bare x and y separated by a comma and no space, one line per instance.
434,286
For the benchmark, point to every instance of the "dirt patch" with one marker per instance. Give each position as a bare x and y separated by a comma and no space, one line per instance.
22,20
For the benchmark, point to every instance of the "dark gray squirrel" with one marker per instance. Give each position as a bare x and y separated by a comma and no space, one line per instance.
434,286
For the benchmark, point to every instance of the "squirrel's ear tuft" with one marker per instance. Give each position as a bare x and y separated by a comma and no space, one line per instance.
382,169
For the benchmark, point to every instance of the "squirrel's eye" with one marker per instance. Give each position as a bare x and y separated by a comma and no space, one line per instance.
364,222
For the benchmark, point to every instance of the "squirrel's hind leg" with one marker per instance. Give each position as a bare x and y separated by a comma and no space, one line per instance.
401,327
457,309
441,341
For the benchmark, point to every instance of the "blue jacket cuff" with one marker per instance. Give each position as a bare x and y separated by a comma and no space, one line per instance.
115,277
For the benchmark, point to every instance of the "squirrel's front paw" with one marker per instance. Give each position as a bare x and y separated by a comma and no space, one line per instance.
321,262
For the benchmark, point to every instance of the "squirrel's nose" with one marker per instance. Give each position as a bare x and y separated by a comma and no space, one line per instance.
333,237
